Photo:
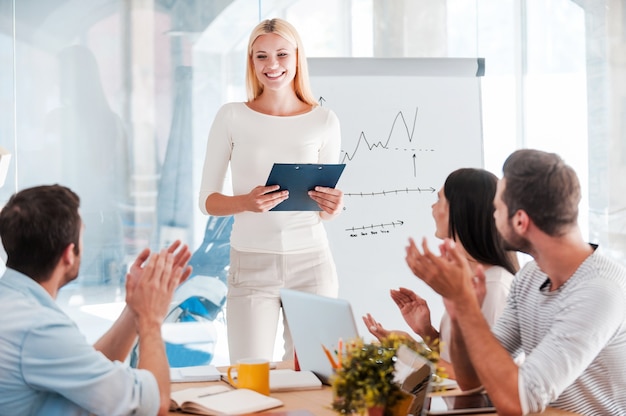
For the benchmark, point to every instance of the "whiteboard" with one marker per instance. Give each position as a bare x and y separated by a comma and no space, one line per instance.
406,123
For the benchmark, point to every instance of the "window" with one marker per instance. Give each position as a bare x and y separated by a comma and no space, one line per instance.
108,98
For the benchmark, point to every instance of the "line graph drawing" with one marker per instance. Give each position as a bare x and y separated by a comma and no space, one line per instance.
384,144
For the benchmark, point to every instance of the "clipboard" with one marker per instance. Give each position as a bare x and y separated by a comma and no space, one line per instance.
299,179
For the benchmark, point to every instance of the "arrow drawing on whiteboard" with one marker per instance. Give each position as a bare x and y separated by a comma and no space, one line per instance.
373,229
392,192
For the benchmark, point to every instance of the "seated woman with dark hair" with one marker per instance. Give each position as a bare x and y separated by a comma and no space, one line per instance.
463,212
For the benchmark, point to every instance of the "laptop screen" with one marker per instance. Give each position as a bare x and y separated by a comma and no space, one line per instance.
314,321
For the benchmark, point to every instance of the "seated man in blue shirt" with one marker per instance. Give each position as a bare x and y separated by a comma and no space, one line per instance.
46,366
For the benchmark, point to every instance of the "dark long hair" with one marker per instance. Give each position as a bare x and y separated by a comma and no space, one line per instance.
470,193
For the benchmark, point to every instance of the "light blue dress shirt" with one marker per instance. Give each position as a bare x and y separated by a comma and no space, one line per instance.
48,368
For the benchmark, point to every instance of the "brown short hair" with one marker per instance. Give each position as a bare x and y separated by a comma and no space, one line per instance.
36,226
542,185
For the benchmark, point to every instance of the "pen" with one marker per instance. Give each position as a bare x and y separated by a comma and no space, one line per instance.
339,352
333,364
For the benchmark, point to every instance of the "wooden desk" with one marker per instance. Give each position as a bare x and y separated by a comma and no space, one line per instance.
316,401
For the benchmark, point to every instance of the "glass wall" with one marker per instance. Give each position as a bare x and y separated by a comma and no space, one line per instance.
115,98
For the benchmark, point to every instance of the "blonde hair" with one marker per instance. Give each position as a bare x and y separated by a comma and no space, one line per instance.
286,31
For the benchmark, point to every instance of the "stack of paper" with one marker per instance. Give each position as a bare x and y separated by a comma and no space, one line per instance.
285,380
195,373
445,384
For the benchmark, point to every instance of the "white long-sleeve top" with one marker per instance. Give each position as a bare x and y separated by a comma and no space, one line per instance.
251,142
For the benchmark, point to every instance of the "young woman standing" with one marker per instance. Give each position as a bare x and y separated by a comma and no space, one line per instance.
280,123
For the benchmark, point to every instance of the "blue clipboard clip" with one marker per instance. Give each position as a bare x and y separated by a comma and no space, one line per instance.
299,179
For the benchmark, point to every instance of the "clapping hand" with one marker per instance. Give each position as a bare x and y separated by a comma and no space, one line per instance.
152,279
414,310
180,259
448,274
374,327
379,331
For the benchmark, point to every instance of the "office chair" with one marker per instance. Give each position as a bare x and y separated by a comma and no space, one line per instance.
188,329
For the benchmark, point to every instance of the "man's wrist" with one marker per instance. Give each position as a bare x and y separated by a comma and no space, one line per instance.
146,326
463,305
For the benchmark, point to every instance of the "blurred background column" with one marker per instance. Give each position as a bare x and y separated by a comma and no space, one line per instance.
139,79
606,88
410,28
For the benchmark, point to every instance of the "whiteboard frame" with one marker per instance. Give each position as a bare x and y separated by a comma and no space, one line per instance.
414,67
367,289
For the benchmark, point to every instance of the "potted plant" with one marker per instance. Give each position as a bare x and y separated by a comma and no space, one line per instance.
364,380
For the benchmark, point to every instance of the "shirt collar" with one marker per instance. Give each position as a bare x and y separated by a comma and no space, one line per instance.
545,286
24,284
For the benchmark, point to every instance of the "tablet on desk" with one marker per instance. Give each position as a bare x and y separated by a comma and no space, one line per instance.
461,404
299,179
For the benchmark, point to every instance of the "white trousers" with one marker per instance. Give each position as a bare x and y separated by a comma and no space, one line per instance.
253,302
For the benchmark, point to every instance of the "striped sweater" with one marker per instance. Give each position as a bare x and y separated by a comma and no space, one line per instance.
574,338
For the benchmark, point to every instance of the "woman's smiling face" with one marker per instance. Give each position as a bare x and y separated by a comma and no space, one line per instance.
275,61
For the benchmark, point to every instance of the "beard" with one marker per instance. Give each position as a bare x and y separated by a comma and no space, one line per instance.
513,241
72,274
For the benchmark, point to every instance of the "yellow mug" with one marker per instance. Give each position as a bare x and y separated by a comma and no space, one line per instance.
253,374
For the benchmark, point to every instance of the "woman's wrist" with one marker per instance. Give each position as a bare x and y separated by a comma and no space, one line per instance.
430,335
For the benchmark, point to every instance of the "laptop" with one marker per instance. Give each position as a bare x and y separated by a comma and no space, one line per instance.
314,321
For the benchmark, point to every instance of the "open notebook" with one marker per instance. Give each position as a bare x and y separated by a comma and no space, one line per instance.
220,400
